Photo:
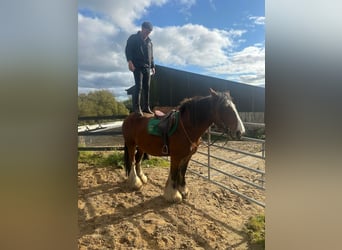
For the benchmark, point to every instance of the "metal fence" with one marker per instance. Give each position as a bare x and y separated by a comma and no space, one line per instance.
253,178
223,171
100,129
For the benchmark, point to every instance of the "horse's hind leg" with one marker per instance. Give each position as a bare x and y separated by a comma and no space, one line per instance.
133,179
138,156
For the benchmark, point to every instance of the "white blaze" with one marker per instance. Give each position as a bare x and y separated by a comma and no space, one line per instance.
240,126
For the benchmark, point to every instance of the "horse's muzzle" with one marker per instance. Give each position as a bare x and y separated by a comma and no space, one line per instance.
238,135
235,135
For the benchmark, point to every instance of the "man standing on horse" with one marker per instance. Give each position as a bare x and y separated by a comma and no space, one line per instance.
139,55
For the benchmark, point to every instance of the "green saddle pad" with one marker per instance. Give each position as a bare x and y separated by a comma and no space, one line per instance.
153,129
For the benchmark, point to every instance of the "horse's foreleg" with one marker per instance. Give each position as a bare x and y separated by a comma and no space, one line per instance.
182,184
171,192
138,157
133,179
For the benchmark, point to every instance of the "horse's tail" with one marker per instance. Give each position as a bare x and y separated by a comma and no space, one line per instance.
128,163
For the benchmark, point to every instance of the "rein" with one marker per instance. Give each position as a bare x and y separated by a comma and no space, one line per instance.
217,139
186,134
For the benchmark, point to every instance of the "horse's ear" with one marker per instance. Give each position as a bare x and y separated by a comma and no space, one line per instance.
212,92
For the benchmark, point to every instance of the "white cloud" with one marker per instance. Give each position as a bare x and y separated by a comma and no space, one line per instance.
187,3
99,45
116,82
101,58
212,50
259,20
246,66
212,4
186,6
121,12
192,45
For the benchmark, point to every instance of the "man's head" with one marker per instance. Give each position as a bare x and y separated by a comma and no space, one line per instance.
146,28
147,25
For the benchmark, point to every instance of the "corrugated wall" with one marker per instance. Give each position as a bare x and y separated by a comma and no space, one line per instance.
169,87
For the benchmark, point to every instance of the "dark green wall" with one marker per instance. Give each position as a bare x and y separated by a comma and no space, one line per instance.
169,87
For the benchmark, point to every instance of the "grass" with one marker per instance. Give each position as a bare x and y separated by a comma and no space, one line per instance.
255,229
156,162
101,159
116,159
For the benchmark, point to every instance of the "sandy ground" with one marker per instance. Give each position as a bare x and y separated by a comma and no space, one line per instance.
111,216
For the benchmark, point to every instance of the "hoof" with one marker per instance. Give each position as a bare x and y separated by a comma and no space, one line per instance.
184,192
135,183
143,178
173,195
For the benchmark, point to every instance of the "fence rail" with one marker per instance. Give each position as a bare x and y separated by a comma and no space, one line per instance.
259,174
98,118
97,133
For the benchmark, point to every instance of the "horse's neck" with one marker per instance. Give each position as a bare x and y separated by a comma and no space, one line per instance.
196,130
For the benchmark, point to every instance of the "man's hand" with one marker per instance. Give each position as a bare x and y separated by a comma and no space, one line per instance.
153,71
131,66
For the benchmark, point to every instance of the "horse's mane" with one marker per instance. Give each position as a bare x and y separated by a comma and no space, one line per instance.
200,107
187,102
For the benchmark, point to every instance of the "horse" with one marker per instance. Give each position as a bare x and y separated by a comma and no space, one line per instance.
196,114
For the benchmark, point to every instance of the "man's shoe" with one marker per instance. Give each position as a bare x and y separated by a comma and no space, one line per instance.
148,110
138,111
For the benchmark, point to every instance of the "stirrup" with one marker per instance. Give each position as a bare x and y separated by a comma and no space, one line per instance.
165,149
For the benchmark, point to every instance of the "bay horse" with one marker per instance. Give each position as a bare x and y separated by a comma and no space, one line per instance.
195,116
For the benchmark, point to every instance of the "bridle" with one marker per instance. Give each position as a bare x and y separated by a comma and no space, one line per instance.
219,122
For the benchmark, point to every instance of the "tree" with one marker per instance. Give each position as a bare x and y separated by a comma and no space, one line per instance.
100,103
128,104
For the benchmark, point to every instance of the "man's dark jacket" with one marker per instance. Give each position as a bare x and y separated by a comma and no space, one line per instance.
140,51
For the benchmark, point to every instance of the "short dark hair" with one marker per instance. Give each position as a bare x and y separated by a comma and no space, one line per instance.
147,25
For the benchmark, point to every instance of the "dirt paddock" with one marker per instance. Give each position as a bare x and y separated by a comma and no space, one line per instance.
111,216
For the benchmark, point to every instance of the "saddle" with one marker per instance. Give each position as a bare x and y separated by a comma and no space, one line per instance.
166,126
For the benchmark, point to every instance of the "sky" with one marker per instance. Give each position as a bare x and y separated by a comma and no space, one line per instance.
218,38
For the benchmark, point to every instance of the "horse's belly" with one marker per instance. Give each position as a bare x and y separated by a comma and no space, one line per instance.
152,146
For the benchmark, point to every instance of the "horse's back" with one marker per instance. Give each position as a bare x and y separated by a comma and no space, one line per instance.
135,132
134,124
